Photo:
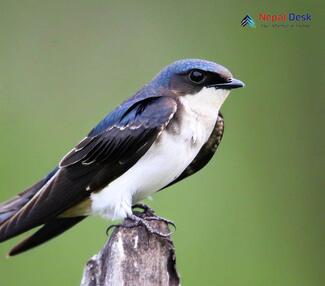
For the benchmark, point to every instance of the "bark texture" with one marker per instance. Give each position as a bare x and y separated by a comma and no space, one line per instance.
133,256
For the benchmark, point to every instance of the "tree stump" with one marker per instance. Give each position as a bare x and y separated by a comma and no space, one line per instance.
133,256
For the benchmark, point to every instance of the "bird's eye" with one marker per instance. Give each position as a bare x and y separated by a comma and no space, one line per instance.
197,76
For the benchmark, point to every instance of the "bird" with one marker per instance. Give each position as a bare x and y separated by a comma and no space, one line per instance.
165,132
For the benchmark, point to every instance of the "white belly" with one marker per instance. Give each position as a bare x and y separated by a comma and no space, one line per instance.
163,163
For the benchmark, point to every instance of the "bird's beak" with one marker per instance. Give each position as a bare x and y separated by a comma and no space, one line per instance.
231,84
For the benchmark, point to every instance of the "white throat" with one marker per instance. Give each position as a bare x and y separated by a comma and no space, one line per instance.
206,103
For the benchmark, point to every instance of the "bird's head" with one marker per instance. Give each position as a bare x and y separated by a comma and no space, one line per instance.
191,75
196,76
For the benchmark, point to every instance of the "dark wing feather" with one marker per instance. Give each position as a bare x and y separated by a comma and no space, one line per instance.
206,152
50,230
94,163
12,206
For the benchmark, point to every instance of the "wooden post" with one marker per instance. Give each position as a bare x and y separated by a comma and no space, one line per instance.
133,256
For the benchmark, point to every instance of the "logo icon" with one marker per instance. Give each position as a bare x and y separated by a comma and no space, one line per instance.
248,21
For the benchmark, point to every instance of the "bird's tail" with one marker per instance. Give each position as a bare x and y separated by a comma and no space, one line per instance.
12,206
48,231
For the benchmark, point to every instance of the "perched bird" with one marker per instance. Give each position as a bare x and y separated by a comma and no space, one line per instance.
167,131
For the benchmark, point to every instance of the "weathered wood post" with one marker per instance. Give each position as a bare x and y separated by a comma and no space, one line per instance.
133,256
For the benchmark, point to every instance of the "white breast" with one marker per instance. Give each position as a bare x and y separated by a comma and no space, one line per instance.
165,160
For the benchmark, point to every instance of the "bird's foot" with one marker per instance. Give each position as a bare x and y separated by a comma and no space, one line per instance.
146,209
137,219
149,211
159,218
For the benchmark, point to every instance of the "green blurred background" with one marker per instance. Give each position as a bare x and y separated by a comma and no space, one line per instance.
255,215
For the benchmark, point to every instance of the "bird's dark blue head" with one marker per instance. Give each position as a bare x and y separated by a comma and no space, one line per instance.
189,76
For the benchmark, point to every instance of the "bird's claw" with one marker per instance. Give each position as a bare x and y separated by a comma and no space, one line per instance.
146,209
135,220
169,222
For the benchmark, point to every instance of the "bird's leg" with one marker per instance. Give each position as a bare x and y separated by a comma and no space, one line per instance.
144,207
147,210
137,219
159,218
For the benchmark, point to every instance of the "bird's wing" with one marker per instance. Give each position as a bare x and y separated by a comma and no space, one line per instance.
10,207
97,160
206,152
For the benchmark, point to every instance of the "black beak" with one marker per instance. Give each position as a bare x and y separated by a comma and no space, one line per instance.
231,84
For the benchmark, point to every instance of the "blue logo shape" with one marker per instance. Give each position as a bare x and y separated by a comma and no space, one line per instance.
248,21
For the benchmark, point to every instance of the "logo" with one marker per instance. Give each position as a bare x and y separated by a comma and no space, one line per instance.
248,21
278,21
285,17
